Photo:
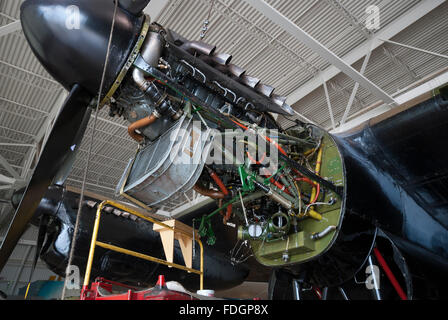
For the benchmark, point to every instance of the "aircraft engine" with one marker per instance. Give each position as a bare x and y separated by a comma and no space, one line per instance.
202,124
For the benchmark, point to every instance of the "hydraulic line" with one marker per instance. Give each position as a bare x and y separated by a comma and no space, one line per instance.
311,175
140,124
316,189
279,185
304,180
296,166
324,233
208,192
389,274
264,137
310,212
297,192
205,228
223,189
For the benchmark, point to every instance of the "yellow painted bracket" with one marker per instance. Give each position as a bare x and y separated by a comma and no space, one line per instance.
168,235
183,232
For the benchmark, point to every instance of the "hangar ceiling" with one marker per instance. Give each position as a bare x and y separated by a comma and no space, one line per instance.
30,99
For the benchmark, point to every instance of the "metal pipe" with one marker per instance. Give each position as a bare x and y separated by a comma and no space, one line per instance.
222,59
281,200
223,189
297,289
145,257
236,71
344,295
244,208
208,192
198,47
276,194
139,79
376,287
324,233
250,198
279,100
141,124
325,293
218,60
389,274
250,81
93,245
232,70
151,52
264,89
152,49
235,199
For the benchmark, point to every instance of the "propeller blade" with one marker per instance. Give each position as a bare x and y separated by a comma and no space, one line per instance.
44,220
62,142
70,158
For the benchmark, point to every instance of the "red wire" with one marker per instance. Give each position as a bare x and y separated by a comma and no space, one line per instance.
267,138
318,293
239,124
255,161
224,190
317,193
277,184
280,186
306,180
312,184
389,274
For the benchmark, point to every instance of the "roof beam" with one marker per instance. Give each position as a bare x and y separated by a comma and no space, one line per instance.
16,145
5,164
355,90
330,108
414,93
416,49
29,72
298,33
7,180
388,32
10,28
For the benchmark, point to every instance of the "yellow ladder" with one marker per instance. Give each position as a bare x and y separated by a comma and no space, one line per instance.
170,230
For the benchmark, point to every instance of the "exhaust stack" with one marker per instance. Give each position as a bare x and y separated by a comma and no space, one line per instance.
199,47
222,59
279,100
250,81
265,90
236,71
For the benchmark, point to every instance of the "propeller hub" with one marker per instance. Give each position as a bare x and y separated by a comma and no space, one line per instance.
70,39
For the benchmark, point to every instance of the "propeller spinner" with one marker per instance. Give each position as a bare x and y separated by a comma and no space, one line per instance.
74,54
